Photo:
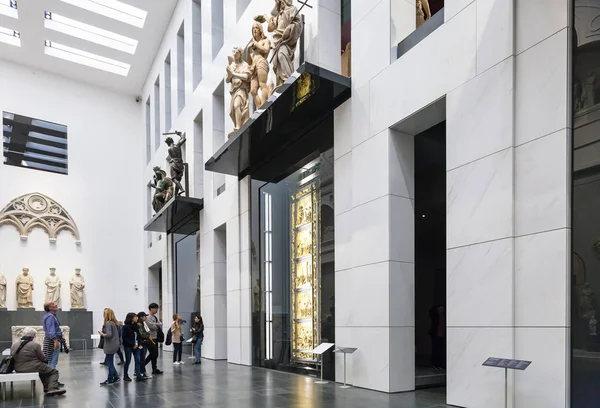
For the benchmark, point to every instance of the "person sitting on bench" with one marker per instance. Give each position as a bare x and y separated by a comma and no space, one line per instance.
28,358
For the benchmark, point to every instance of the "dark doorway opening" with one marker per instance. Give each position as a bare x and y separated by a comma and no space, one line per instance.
430,256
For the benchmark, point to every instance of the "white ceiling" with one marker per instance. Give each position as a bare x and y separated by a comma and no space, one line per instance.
33,35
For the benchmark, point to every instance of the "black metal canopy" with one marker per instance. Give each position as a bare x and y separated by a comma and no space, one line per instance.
181,215
295,123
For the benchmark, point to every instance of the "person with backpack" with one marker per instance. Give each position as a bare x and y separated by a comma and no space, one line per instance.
155,325
28,358
198,332
52,334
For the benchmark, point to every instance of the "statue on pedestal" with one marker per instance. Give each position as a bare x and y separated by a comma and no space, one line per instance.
239,76
164,189
286,26
53,287
2,291
176,161
259,49
77,284
25,290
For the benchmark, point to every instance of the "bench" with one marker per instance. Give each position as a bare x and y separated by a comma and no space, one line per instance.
17,377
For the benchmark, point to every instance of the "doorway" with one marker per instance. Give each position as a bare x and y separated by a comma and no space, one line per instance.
430,256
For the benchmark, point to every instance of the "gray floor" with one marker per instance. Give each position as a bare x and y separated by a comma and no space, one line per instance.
210,385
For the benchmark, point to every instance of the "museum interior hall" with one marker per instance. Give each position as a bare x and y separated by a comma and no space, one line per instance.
299,203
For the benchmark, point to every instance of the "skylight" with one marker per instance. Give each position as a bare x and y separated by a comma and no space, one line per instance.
9,8
90,33
113,9
86,58
9,36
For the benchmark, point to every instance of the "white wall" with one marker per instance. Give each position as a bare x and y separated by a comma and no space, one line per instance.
103,192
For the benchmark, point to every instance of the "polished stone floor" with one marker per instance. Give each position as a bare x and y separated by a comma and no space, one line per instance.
210,385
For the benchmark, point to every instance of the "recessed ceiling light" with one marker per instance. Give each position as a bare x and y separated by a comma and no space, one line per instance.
90,33
9,8
86,58
113,9
9,36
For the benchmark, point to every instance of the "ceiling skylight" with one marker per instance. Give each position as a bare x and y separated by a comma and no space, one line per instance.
86,58
9,8
90,33
9,36
113,9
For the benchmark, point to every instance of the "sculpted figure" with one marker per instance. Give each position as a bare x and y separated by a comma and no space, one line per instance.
164,189
259,49
176,161
25,290
423,12
2,291
286,26
77,284
239,76
53,287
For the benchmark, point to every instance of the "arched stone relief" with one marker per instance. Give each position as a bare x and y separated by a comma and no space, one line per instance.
37,210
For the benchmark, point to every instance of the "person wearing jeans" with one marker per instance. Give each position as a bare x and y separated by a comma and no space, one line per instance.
198,333
177,337
52,334
131,346
144,340
111,345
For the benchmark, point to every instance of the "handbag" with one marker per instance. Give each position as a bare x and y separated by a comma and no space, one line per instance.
101,343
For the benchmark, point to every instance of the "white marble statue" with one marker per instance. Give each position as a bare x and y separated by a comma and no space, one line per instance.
77,284
25,290
53,287
2,291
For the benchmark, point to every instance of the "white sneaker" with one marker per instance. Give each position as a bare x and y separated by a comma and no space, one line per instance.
181,362
175,362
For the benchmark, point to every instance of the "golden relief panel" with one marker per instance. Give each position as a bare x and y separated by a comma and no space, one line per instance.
304,303
304,242
304,211
303,274
304,268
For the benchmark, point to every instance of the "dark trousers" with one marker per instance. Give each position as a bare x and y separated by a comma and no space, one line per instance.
177,351
119,353
152,355
130,351
142,356
438,351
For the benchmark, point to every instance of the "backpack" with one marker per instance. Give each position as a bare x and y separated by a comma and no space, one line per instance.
169,339
160,335
7,365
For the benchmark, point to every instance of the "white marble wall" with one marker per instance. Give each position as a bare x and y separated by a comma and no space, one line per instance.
505,78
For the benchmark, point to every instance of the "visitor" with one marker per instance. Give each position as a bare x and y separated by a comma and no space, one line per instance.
198,332
130,340
177,334
144,340
119,352
154,323
110,334
52,334
28,358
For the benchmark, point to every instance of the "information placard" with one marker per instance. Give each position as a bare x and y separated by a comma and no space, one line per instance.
508,363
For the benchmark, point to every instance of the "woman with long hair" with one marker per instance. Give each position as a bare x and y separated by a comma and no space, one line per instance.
198,332
110,334
131,346
177,339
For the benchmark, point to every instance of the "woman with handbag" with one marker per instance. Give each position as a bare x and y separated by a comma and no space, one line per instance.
110,335
198,332
177,339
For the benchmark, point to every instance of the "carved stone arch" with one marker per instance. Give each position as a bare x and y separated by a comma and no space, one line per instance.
35,210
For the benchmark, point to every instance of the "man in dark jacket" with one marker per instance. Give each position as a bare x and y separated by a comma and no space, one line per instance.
28,358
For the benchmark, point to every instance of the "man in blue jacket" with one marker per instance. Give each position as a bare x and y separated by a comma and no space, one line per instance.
53,335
